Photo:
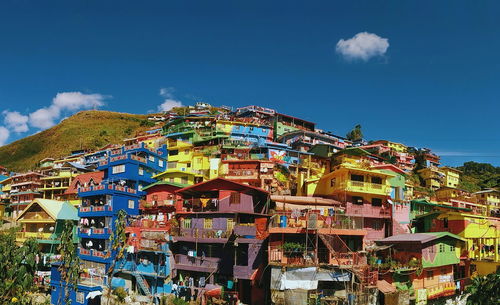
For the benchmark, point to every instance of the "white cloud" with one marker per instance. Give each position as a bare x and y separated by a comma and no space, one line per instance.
362,46
46,117
4,135
170,100
16,121
168,104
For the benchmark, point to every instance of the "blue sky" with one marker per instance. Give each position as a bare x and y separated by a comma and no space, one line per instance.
429,77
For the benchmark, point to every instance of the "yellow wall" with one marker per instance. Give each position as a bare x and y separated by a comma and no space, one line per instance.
452,177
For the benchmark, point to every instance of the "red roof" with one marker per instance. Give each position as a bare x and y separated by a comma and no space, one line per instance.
84,179
221,184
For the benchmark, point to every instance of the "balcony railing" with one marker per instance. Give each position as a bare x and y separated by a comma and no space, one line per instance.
196,262
94,231
91,252
310,257
313,220
107,186
95,208
201,233
37,235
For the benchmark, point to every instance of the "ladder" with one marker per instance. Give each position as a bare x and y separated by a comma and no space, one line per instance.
143,284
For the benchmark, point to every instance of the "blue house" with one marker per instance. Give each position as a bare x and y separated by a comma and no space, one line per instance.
127,170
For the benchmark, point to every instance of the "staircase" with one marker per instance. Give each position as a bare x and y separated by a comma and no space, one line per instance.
143,284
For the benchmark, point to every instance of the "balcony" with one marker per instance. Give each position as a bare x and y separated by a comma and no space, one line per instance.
369,210
94,231
283,222
364,187
242,174
94,253
245,230
94,208
207,264
277,255
201,235
36,235
90,280
104,188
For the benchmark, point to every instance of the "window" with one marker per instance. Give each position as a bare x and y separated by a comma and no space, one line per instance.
452,248
131,204
80,297
357,200
207,223
441,248
171,164
118,169
188,165
141,171
445,222
186,223
186,152
376,202
160,163
377,180
171,179
430,274
184,180
332,182
152,158
173,152
359,178
235,198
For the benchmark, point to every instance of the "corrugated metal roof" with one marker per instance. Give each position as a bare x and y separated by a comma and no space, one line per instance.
417,237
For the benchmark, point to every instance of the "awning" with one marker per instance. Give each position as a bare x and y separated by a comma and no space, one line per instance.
93,294
385,287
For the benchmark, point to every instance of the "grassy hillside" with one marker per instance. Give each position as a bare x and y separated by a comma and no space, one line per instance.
84,130
477,176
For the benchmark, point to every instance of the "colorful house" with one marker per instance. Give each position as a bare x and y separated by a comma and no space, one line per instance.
83,180
127,170
421,262
44,219
432,176
451,176
363,190
219,241
146,267
481,252
491,199
59,178
24,188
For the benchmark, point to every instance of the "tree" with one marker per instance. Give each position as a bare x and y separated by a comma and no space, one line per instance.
70,262
118,241
355,134
484,290
18,265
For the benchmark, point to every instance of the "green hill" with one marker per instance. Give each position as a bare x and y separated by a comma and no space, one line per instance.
84,130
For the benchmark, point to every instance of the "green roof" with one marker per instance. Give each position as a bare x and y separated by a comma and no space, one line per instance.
179,185
425,202
58,210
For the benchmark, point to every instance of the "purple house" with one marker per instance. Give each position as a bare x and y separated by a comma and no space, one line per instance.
219,241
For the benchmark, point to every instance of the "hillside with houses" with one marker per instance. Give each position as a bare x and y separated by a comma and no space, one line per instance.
217,205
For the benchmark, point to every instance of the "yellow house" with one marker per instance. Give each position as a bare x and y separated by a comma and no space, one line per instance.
491,199
451,176
180,166
432,176
393,145
353,174
480,232
43,220
5,187
59,179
